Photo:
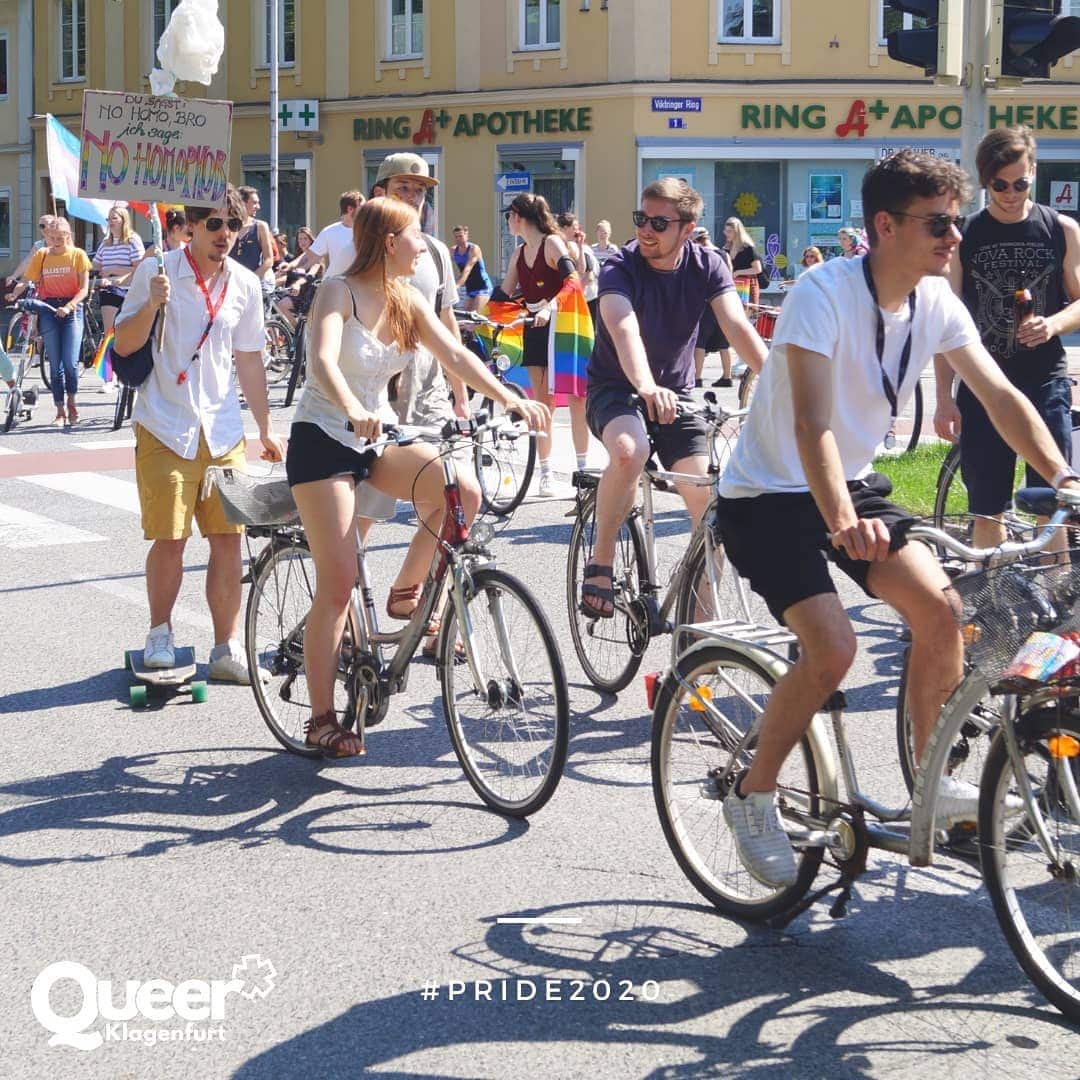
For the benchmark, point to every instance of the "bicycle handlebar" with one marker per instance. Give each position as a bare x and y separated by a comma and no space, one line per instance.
713,411
474,318
405,434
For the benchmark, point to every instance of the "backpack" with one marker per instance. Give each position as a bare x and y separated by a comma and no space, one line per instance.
437,259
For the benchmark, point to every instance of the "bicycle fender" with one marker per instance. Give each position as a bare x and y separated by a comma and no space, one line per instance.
935,758
817,733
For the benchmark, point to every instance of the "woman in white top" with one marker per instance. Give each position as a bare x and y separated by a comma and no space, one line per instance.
115,261
366,327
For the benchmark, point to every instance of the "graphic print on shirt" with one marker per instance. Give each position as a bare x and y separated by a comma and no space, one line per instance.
997,272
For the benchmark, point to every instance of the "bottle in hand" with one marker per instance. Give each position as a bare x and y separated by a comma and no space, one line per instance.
1024,305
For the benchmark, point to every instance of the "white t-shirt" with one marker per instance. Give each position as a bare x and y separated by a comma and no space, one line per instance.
335,242
831,312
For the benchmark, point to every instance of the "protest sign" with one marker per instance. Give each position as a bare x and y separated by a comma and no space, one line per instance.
154,149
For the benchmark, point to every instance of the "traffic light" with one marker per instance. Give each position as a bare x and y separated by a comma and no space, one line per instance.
937,47
1027,37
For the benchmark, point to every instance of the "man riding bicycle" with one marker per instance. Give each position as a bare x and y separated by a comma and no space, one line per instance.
847,352
652,293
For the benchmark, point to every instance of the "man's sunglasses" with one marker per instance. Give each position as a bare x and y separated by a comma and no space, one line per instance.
214,224
1019,186
937,224
658,224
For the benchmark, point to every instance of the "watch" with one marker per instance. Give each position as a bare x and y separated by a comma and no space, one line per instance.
1062,475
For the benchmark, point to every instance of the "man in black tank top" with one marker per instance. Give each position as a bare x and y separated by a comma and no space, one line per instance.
253,248
1013,244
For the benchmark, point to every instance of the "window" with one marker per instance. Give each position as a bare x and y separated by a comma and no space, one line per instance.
890,20
286,32
750,20
540,24
3,65
406,25
5,221
72,39
163,10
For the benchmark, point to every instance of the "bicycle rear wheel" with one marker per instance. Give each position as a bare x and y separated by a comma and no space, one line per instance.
691,747
43,369
610,650
125,399
1036,893
277,350
14,402
511,736
504,462
282,587
296,372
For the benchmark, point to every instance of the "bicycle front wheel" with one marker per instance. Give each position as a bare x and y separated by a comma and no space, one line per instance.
610,650
43,368
296,372
14,402
1036,892
504,462
125,398
748,383
277,350
691,749
512,733
282,587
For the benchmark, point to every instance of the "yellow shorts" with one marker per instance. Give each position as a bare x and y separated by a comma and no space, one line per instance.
170,488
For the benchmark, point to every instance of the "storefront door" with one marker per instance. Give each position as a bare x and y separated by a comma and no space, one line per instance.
551,176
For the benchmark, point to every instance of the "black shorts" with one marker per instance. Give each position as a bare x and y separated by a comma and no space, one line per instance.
687,436
536,346
313,455
987,464
780,544
111,298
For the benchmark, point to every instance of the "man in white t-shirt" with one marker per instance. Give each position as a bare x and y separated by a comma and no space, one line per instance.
334,246
847,352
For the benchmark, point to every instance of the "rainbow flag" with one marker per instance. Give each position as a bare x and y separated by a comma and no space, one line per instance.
512,341
570,343
103,358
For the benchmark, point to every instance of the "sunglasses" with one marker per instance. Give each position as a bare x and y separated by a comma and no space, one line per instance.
1019,186
658,224
214,224
937,224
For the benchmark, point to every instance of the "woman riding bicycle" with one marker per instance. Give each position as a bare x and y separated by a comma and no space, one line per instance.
367,326
115,261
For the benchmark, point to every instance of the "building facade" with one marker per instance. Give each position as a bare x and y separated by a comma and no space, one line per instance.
771,108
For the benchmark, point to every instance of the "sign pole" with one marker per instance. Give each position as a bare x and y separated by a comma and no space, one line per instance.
973,128
274,116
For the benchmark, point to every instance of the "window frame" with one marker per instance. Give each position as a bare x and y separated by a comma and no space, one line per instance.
544,45
263,30
76,41
774,38
409,54
908,24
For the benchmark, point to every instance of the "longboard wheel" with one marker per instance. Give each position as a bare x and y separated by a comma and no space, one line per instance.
198,692
127,660
138,696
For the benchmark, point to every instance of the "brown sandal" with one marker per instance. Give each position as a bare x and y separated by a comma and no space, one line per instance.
329,737
409,592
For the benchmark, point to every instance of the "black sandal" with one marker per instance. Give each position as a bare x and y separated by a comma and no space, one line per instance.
597,592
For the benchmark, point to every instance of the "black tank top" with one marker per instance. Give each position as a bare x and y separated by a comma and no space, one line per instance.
998,259
247,250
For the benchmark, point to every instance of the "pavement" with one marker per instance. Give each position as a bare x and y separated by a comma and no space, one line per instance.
363,911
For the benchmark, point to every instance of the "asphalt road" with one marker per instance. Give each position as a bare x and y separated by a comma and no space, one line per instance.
169,844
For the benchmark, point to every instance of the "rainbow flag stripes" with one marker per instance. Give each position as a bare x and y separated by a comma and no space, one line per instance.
570,342
103,358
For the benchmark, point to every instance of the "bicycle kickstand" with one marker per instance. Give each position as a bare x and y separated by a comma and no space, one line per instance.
838,910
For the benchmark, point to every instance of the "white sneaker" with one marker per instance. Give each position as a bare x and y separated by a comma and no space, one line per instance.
546,490
763,846
232,667
957,801
159,651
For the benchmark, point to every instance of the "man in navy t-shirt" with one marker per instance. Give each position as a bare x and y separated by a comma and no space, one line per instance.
652,295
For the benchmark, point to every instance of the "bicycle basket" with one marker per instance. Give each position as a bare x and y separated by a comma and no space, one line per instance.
1004,605
253,500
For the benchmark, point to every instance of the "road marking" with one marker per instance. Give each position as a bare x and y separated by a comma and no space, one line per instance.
105,444
7,450
134,593
107,490
22,529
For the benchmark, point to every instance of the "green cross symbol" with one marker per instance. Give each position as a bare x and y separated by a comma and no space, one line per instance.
285,115
307,115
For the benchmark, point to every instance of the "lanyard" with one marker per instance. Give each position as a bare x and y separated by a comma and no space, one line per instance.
879,341
212,310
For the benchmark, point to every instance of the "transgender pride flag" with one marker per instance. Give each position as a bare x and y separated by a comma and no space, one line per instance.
63,149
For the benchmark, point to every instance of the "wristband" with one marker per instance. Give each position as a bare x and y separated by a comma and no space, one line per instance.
1062,475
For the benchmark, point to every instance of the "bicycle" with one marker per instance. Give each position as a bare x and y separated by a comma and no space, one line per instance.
610,650
705,723
504,689
505,459
298,359
280,337
18,402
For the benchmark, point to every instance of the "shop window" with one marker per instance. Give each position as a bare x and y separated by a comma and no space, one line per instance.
890,20
540,24
749,21
5,221
286,32
3,65
72,18
292,195
406,28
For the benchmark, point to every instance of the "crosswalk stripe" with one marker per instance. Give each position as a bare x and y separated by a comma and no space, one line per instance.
134,594
104,444
7,450
107,490
23,529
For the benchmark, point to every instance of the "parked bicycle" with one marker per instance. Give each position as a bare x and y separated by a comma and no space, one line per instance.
705,725
505,458
611,649
504,689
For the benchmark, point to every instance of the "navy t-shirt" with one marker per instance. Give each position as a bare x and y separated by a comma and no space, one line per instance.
668,305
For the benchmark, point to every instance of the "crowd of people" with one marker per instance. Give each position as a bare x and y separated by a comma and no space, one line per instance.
850,343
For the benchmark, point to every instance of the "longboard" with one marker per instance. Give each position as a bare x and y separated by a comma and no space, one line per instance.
163,682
